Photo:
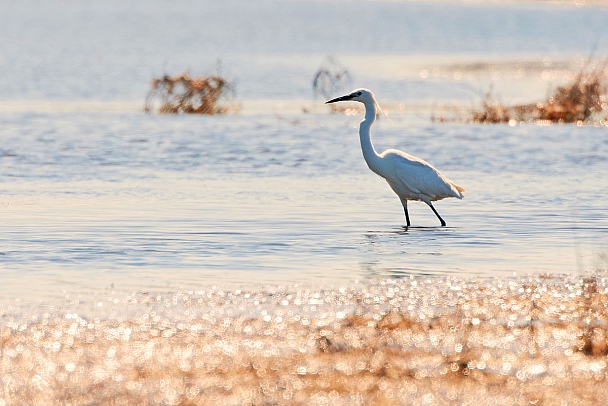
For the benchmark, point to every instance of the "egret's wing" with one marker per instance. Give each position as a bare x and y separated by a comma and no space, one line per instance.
419,177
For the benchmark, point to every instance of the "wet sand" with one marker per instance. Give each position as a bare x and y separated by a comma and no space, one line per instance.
436,340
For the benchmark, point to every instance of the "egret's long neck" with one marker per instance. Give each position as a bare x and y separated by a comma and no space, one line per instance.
369,153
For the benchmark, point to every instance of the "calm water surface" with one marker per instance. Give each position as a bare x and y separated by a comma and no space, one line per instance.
96,199
94,193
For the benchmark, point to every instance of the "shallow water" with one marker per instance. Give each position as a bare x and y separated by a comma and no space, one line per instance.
100,198
181,260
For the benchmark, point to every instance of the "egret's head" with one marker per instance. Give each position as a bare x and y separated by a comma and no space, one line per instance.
360,95
364,96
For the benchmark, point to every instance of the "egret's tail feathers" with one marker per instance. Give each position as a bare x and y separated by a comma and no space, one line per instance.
460,190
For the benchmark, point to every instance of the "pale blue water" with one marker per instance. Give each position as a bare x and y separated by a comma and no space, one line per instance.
95,193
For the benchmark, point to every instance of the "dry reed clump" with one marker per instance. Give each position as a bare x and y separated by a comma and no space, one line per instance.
584,100
330,79
188,95
439,341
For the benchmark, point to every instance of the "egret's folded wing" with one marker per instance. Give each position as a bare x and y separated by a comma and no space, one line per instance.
420,177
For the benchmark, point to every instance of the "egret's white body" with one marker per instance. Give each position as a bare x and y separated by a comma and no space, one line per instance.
411,178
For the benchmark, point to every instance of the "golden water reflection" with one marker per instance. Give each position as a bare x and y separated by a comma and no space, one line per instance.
440,340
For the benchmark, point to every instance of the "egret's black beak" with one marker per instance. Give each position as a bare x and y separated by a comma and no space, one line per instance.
341,98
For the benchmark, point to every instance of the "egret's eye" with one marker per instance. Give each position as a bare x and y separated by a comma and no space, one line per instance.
358,93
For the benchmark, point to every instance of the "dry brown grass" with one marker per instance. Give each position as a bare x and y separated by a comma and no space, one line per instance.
188,95
330,80
583,101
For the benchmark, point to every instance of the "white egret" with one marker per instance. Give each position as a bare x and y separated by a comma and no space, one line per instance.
411,178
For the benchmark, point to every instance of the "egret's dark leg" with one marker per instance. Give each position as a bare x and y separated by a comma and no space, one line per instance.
407,216
437,214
